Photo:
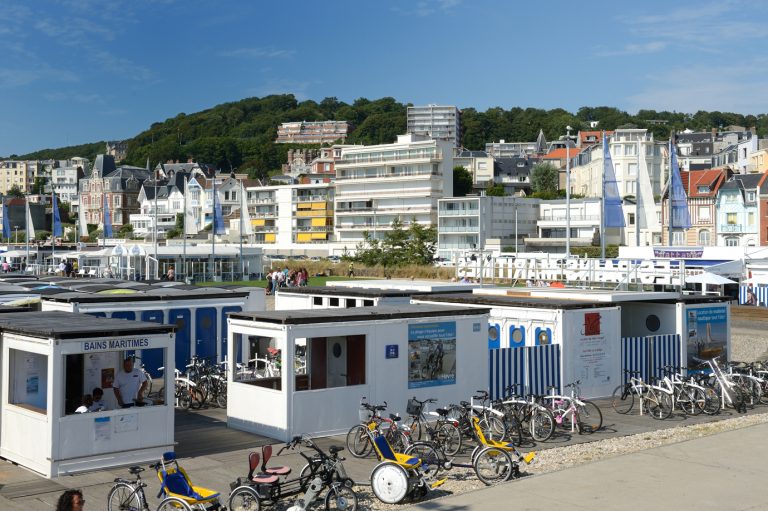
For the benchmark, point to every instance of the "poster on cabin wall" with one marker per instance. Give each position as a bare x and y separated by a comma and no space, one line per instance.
431,354
707,332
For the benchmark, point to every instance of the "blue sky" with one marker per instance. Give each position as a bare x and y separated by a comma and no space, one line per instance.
78,71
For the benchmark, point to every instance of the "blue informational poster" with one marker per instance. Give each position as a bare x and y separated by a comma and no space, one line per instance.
707,333
431,354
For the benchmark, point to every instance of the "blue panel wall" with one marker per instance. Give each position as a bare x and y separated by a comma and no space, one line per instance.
153,358
206,332
182,318
130,315
224,326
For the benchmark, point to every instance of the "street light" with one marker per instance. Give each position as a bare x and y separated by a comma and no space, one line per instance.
568,192
16,234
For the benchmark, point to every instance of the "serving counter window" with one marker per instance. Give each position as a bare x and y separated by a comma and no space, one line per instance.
28,380
263,361
329,362
91,381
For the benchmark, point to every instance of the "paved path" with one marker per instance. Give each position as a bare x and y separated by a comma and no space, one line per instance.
725,471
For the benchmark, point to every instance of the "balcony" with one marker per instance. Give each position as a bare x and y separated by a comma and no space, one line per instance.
458,228
386,175
732,228
316,228
459,212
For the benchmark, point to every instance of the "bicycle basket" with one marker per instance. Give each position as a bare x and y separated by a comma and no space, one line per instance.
365,414
413,407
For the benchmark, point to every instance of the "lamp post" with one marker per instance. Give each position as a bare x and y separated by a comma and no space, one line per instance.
567,192
16,234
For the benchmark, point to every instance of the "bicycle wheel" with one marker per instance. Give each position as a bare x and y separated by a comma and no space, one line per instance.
414,425
244,498
514,429
397,439
691,400
430,460
658,404
493,427
173,504
221,397
589,417
389,482
623,399
542,425
341,497
122,498
493,466
448,437
184,398
358,443
712,403
198,397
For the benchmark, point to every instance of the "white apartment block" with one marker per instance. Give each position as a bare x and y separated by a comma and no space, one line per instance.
291,217
467,223
312,132
65,175
438,122
584,224
377,184
587,169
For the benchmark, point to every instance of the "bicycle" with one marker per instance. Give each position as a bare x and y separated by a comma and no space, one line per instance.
491,420
519,411
445,431
358,442
580,414
128,495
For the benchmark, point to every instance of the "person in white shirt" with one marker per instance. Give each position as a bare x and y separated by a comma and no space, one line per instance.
129,385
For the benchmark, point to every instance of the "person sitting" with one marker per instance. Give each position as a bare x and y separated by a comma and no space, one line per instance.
171,274
98,401
87,404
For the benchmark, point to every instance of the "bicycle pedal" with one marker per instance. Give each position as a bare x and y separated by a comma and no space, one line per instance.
437,484
528,458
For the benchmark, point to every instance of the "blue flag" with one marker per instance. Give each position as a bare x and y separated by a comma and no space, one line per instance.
681,217
218,218
614,216
107,219
6,222
57,232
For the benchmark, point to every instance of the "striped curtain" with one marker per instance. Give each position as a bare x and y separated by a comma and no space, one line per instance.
532,368
649,355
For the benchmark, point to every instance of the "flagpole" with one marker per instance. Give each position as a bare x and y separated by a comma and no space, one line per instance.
184,230
103,213
53,223
669,191
243,204
637,196
26,234
154,230
213,230
567,192
602,202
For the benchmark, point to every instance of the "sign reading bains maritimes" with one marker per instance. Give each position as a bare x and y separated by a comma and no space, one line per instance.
139,343
431,354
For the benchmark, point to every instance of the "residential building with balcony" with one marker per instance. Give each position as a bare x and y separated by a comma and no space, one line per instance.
504,149
436,121
514,174
312,132
701,188
587,165
15,173
65,176
118,149
467,223
121,186
552,226
479,164
738,211
377,184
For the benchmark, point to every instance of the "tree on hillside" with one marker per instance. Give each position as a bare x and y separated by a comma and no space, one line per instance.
462,181
15,192
545,178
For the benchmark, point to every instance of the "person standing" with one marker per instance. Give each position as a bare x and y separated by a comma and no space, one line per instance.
171,274
129,385
71,500
351,270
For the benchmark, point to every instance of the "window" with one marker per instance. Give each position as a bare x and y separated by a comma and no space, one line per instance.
751,196
704,214
632,169
630,187
703,188
704,238
678,238
317,300
732,242
28,380
751,218
328,362
731,218
631,220
262,357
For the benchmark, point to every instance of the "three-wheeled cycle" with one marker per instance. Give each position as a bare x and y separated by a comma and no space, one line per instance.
267,485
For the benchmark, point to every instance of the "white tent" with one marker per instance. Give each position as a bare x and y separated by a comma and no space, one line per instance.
709,278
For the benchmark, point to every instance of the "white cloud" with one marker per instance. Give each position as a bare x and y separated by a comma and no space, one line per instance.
96,99
11,78
425,8
634,49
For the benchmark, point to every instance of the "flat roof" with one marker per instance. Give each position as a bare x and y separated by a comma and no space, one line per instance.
413,286
142,296
68,325
349,291
601,295
341,315
493,300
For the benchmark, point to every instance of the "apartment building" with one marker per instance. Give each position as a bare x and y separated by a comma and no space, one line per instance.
313,132
585,223
479,164
378,184
467,223
21,174
65,176
701,188
587,166
435,121
121,186
738,211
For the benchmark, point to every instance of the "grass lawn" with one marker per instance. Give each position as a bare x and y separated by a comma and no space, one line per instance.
313,281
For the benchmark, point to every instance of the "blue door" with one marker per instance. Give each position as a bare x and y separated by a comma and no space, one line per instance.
153,358
224,326
181,318
206,333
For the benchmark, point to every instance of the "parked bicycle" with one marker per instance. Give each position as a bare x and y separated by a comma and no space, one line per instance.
444,431
358,441
573,411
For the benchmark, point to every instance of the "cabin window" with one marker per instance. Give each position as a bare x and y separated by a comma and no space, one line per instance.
262,361
328,362
28,380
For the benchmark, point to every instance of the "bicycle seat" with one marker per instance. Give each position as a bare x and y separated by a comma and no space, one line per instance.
442,412
464,403
335,449
394,417
135,470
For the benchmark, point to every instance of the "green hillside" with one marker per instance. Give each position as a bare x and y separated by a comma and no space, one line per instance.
241,134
